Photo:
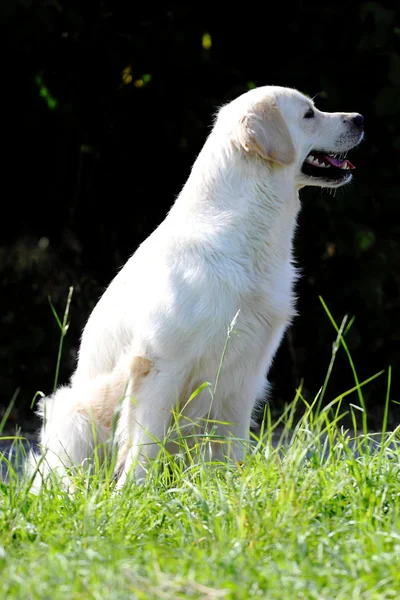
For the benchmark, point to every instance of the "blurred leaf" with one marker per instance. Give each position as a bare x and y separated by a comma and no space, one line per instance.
45,93
142,81
127,75
365,239
206,41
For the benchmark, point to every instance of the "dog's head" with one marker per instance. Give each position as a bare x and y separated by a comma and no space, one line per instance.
283,126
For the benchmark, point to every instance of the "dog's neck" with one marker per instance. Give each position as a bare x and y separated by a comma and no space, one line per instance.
251,200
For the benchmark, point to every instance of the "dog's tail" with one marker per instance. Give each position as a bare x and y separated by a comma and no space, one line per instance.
73,431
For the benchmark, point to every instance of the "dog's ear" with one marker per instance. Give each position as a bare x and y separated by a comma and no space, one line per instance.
263,130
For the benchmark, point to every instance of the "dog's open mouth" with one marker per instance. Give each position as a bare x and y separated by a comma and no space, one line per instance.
327,166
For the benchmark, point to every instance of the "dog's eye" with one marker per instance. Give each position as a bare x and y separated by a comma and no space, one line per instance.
310,114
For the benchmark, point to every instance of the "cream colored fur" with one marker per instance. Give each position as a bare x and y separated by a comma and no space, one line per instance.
159,330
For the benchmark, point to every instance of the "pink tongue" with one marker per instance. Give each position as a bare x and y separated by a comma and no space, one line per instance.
335,162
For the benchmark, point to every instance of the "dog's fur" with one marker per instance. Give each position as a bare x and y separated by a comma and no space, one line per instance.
159,330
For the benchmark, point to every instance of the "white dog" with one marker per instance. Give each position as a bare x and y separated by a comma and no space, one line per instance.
159,330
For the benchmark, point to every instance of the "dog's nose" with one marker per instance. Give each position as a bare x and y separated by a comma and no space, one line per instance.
358,120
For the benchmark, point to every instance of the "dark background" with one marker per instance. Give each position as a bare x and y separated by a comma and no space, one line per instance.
105,107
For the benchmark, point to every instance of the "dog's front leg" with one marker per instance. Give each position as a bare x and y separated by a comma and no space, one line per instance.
239,399
232,432
145,418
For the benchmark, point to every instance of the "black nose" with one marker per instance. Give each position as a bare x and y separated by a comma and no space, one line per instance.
358,120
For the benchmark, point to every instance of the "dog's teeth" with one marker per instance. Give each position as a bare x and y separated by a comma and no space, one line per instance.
313,160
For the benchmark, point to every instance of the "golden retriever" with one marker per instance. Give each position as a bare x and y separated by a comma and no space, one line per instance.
224,250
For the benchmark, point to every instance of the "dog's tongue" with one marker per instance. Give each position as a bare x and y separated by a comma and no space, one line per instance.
335,162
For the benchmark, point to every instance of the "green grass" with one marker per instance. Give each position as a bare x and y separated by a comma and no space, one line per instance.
308,517
312,514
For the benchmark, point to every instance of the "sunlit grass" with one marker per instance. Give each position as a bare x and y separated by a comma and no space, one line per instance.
313,513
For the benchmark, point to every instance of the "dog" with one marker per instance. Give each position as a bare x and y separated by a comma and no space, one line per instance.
223,253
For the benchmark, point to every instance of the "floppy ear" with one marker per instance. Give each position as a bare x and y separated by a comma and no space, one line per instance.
263,130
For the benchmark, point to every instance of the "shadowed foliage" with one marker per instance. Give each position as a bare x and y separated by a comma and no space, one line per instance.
99,97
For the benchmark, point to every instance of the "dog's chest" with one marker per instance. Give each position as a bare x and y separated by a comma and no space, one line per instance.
268,291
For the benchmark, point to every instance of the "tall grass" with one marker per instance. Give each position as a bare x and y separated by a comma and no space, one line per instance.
313,513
